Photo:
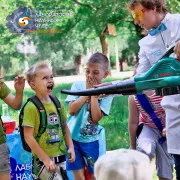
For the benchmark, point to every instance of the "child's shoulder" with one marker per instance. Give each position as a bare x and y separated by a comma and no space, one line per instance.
30,106
79,85
79,82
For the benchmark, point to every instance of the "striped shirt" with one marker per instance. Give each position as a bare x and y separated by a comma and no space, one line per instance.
156,103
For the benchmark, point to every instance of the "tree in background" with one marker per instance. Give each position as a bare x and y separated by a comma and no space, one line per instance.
81,33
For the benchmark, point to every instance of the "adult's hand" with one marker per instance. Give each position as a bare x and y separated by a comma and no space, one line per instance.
103,84
177,50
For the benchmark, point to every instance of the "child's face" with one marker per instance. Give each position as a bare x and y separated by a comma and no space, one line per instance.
146,19
43,82
95,72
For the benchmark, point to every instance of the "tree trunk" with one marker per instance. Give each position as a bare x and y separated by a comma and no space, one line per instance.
105,49
121,65
104,44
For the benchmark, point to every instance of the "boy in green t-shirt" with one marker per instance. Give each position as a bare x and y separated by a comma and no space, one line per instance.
15,103
50,147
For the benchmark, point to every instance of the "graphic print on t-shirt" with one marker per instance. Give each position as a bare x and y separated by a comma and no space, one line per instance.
53,127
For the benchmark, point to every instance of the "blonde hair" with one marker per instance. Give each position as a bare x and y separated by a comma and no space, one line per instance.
32,72
123,164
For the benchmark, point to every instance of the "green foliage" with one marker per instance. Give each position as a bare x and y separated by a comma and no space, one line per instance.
173,6
112,61
10,77
80,31
116,124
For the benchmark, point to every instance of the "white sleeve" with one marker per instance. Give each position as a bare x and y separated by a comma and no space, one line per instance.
144,63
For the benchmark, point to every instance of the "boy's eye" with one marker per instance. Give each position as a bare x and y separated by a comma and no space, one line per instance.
96,72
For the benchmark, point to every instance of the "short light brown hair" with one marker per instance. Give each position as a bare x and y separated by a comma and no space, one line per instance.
160,5
99,58
32,72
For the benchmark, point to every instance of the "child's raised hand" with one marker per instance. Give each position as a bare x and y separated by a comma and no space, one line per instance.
19,83
50,165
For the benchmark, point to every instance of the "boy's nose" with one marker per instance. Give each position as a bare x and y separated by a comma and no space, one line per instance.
90,75
50,80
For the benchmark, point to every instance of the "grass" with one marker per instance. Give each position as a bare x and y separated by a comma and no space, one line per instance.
116,125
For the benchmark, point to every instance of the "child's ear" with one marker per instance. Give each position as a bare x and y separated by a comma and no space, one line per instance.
106,73
32,84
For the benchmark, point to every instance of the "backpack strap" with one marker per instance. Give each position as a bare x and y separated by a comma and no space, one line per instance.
21,129
42,113
43,123
148,108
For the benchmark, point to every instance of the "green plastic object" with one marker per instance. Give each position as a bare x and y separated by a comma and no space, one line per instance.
165,73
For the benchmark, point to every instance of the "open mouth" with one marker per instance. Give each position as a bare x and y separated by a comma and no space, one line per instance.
50,87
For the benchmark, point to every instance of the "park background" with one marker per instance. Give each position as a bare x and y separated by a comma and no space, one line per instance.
81,28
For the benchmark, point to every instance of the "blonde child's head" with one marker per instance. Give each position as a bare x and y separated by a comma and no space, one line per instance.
123,164
35,70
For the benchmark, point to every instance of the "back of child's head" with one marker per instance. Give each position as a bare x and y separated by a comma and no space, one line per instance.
123,164
99,58
32,72
160,5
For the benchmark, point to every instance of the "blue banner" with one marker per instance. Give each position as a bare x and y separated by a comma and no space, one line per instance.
21,160
21,166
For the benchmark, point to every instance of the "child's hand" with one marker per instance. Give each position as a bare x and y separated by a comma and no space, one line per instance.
50,165
72,155
90,82
164,132
19,83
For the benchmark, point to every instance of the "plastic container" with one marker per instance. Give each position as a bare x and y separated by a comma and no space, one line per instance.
9,126
8,122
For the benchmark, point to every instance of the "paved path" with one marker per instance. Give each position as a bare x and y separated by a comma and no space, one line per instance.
70,79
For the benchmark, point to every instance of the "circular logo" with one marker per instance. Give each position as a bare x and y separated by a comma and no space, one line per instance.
21,20
25,157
